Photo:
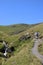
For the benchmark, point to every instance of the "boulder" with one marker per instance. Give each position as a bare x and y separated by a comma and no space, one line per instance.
24,37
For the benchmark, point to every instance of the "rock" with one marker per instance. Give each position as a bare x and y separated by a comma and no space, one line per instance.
24,37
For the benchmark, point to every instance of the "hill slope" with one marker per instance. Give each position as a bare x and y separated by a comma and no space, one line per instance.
22,54
14,29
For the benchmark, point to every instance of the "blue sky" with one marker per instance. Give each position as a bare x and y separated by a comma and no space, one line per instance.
21,11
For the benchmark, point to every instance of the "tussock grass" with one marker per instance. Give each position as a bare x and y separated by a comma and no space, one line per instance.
24,56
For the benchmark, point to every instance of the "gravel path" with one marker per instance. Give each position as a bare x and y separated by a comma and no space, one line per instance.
35,49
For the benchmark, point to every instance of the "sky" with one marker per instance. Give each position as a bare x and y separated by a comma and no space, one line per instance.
21,11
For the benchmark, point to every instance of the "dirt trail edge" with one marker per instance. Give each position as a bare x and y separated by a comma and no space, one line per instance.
35,49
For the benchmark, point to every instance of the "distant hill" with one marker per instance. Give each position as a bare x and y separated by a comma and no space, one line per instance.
14,29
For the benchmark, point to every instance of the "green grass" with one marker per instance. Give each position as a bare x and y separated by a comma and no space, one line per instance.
1,45
22,54
14,28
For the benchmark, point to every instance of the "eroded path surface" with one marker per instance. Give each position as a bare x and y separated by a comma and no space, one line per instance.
35,49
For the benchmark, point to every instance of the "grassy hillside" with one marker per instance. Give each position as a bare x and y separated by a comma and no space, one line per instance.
22,54
14,29
37,28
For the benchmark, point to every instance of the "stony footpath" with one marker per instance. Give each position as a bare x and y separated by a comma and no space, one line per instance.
35,49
